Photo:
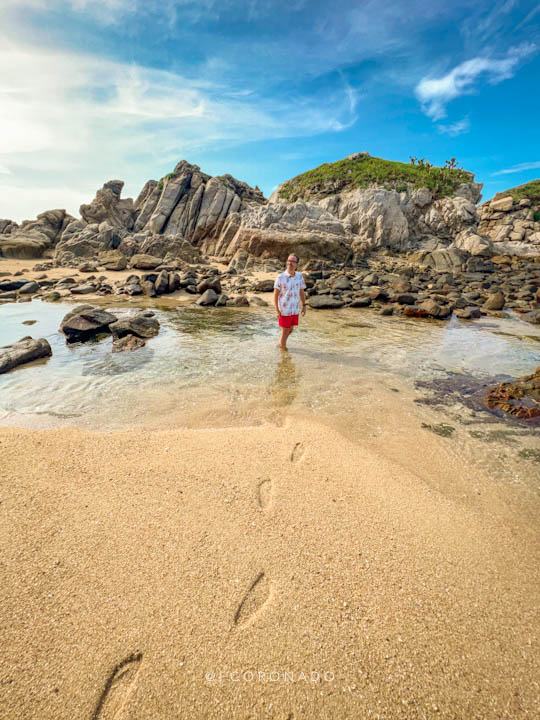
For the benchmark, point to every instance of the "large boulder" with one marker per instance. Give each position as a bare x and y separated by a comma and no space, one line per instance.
23,351
86,321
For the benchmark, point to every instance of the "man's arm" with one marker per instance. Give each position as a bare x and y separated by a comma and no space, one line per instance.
303,299
276,305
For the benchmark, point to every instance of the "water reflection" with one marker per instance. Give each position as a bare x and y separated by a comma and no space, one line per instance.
285,384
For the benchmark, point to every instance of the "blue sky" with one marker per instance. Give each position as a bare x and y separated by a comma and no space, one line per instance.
93,90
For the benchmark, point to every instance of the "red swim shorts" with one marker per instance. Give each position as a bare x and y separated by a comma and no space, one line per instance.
288,321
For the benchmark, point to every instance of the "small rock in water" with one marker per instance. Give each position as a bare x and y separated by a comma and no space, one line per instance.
28,322
127,342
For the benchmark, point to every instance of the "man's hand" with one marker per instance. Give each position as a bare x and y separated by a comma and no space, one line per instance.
303,308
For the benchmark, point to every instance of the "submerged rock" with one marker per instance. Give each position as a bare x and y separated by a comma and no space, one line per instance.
127,342
23,351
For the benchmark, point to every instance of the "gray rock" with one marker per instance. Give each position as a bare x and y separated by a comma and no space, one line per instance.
341,283
320,302
82,289
29,287
209,297
360,302
256,300
23,351
139,324
86,321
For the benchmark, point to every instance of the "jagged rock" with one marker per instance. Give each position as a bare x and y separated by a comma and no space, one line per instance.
142,324
7,226
23,351
86,321
33,237
222,300
107,206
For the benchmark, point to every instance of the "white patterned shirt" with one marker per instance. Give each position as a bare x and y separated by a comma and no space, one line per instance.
289,287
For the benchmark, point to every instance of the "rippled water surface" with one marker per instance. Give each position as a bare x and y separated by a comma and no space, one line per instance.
230,356
364,373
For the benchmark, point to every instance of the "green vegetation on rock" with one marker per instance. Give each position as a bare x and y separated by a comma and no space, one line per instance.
362,171
528,191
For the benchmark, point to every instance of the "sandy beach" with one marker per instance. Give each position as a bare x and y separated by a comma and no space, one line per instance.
280,572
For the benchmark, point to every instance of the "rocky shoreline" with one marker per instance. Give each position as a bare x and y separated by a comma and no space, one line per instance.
399,249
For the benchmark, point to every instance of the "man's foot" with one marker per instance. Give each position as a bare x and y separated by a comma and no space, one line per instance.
284,347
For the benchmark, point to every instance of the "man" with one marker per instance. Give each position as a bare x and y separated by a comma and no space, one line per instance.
288,292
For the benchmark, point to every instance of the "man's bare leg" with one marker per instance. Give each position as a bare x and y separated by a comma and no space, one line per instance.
285,332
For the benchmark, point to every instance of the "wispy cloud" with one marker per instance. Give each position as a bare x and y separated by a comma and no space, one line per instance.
436,93
519,168
77,120
455,129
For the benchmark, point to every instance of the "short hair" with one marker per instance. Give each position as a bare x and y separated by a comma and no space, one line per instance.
296,256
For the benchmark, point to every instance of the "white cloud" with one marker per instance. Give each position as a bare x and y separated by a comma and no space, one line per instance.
436,93
74,120
519,168
457,128
24,203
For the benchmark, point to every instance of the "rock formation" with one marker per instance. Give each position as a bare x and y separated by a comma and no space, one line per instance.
335,212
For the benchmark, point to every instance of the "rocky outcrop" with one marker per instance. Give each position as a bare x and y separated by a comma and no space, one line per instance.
511,226
275,230
344,226
23,351
33,238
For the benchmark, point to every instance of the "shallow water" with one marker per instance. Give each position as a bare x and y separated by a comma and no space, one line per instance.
221,366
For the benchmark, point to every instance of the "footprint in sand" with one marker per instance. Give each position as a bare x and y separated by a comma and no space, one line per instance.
265,493
118,689
297,453
254,600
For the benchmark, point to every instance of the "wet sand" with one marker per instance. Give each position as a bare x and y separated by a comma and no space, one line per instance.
207,573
